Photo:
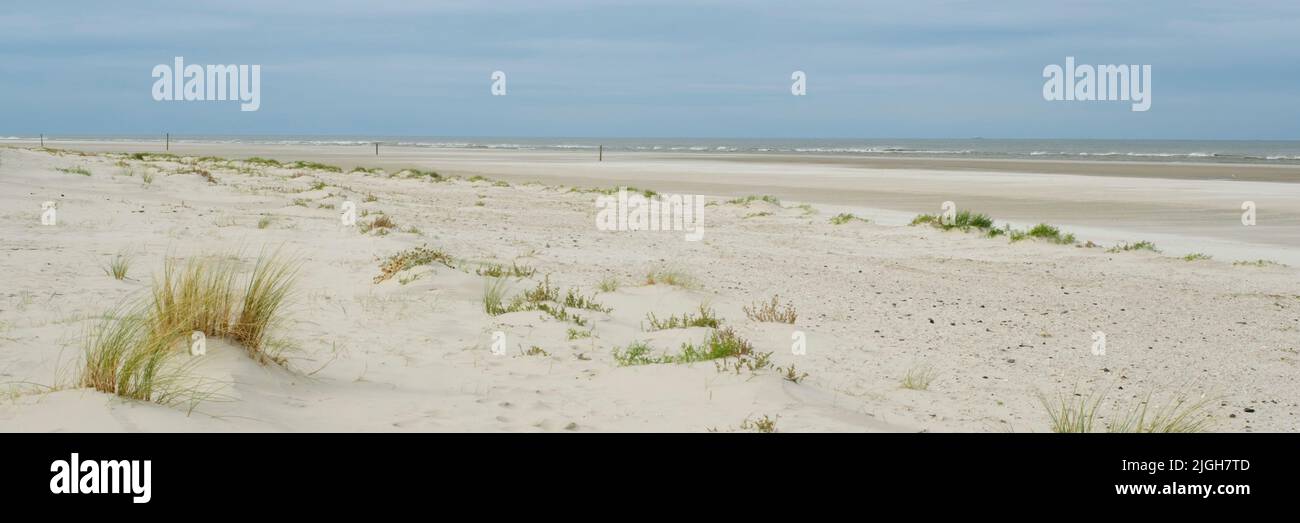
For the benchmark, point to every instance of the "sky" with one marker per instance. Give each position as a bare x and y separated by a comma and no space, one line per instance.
663,68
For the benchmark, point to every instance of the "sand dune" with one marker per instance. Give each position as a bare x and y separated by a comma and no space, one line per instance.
997,324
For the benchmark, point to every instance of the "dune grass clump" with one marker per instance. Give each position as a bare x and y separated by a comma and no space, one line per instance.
721,343
118,266
1181,414
1258,263
844,217
73,170
746,200
608,284
704,317
381,224
763,425
772,312
1197,256
670,277
496,270
366,170
316,166
637,353
791,374
416,173
263,162
1137,246
1050,233
128,356
412,258
206,295
919,377
964,220
1077,413
544,298
1073,412
129,351
574,299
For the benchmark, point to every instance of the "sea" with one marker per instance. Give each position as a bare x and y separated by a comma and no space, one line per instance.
1208,151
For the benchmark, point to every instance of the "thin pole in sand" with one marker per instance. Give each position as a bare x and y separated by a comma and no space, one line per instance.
42,140
169,141
601,158
376,148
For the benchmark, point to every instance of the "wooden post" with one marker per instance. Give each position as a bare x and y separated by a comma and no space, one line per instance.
169,141
42,140
376,148
601,158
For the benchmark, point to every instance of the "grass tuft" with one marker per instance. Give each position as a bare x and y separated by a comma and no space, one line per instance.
919,377
411,258
73,170
118,266
772,312
844,217
1137,246
704,318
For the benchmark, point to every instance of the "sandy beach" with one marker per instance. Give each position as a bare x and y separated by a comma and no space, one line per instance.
992,327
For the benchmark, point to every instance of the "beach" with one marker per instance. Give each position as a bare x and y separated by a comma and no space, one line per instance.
905,328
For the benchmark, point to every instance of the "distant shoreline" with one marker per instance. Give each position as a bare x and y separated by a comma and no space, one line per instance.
1088,166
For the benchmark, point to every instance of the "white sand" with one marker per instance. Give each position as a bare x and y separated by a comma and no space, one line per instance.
999,322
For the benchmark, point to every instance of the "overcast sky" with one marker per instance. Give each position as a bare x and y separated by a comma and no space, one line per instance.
662,68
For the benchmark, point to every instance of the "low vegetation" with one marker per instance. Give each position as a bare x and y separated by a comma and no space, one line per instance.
73,170
772,311
129,351
1180,412
118,266
704,317
919,377
844,217
746,200
1136,246
411,258
670,277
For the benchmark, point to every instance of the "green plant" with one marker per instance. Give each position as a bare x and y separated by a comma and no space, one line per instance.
791,374
637,353
1138,246
498,270
73,170
1050,233
411,258
126,355
764,425
118,266
1073,412
670,277
494,292
772,312
1196,256
263,222
1179,414
609,284
919,377
1258,263
380,223
704,318
843,218
746,200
